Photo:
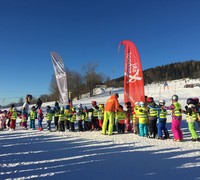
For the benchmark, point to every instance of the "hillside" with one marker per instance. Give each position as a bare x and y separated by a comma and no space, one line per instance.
169,72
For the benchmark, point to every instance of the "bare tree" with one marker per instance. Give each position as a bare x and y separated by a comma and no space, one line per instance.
75,81
91,77
44,97
54,89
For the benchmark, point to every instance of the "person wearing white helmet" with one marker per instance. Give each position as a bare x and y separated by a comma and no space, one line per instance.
80,117
176,110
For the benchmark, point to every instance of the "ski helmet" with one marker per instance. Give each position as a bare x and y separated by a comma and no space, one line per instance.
150,99
5,111
120,106
161,102
94,103
174,98
190,101
33,107
141,103
128,104
101,105
136,103
196,100
73,108
191,106
116,95
79,105
56,103
67,107
12,105
48,107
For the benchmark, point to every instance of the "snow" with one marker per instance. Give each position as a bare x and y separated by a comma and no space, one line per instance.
30,154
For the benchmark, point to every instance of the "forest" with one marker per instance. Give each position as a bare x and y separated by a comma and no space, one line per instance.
179,70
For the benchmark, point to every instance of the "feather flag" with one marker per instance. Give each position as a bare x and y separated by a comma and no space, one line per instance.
133,77
61,77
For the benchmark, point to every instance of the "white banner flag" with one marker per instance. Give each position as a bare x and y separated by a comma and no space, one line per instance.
61,77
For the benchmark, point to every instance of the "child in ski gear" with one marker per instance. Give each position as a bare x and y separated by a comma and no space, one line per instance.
24,118
191,117
13,118
120,119
87,124
135,118
9,115
175,107
152,115
2,119
143,120
162,118
61,120
6,117
40,119
67,117
94,120
80,117
56,111
73,119
112,105
49,117
128,116
197,107
33,116
39,104
100,115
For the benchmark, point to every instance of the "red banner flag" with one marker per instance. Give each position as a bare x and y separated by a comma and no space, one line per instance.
133,77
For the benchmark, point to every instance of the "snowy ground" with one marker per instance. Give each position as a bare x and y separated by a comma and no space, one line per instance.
28,154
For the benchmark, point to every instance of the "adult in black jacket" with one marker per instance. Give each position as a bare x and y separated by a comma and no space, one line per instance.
39,104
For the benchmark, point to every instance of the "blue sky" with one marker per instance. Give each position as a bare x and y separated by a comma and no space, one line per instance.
89,31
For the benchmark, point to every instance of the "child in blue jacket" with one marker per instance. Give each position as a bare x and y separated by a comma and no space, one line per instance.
162,119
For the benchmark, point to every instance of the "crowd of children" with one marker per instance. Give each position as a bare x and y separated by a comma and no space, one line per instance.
147,119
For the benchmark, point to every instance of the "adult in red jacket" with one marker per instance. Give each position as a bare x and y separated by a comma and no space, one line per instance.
112,105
